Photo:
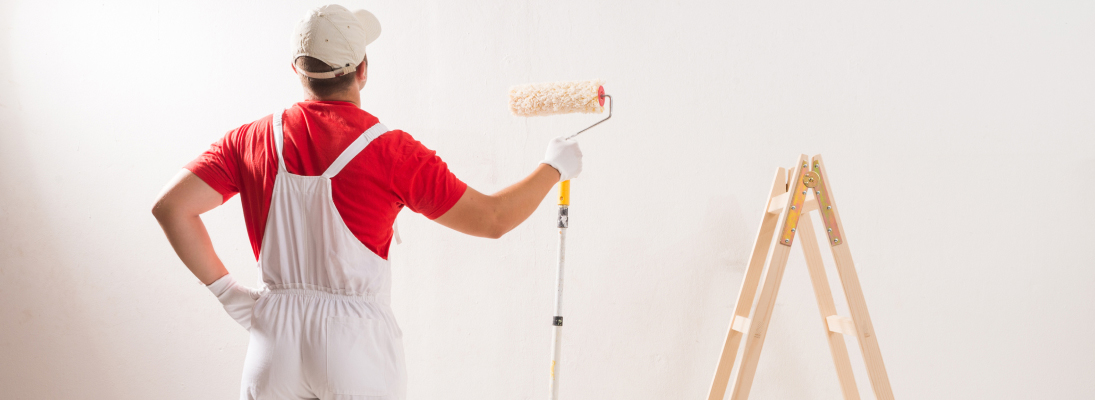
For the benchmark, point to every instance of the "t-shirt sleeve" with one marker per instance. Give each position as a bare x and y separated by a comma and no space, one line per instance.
219,167
421,180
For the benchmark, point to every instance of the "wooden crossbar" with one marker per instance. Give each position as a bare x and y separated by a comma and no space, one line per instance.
795,193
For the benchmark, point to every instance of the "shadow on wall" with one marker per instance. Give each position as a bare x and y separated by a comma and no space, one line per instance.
45,324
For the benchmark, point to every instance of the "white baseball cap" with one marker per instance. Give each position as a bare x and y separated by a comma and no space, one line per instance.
336,36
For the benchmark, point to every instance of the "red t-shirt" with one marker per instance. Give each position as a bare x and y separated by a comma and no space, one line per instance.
393,171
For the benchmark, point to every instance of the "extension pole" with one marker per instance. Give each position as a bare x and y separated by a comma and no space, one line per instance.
557,320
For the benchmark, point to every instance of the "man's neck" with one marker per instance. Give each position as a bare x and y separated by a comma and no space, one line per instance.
347,96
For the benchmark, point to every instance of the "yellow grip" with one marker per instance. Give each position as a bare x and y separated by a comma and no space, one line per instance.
564,193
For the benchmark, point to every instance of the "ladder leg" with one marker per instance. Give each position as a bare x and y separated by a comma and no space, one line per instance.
857,306
773,276
748,290
868,343
827,307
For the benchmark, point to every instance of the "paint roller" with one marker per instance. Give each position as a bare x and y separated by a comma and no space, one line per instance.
543,99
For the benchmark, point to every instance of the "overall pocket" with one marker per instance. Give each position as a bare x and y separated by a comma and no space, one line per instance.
360,357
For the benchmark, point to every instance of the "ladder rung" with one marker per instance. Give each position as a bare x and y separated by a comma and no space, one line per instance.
777,203
740,324
840,324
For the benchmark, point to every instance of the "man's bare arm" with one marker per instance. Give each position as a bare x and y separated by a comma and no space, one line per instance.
491,216
179,209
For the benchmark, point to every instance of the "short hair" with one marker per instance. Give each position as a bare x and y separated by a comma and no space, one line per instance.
324,87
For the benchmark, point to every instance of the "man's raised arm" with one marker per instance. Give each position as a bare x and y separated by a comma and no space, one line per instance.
491,216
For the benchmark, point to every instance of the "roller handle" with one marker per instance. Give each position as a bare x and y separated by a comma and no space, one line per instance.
557,319
564,193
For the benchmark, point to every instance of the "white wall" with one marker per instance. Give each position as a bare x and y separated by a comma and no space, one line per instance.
958,136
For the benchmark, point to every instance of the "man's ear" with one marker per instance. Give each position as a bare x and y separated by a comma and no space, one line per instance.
362,70
362,73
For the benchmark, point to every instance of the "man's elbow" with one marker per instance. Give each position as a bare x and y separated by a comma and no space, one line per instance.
496,228
496,234
495,231
161,209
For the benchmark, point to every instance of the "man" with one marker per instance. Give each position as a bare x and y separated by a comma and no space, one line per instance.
321,183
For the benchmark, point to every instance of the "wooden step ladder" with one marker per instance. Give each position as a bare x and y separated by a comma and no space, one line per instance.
795,193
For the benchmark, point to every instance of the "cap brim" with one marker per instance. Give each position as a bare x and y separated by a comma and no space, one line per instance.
370,23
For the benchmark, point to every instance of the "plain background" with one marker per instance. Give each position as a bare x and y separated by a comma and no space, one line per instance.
958,137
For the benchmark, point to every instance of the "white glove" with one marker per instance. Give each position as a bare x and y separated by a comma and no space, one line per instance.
237,299
565,156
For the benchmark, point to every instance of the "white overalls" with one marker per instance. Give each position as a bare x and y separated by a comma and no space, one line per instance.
325,328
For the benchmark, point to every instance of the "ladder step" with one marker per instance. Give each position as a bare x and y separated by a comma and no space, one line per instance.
740,324
841,324
777,203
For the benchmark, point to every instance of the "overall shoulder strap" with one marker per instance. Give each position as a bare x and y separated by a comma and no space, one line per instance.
355,148
279,139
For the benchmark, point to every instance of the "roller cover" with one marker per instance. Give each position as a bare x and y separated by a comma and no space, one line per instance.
540,99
